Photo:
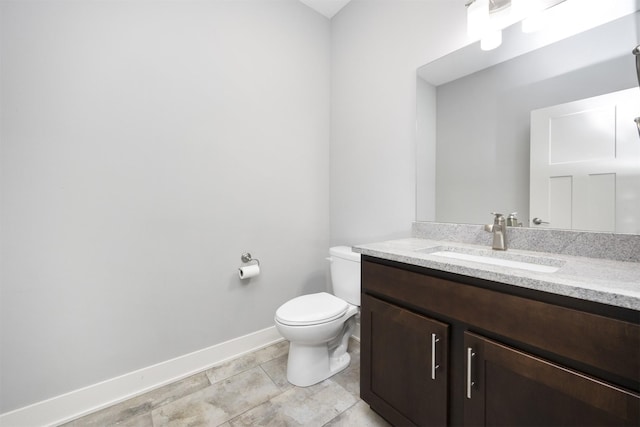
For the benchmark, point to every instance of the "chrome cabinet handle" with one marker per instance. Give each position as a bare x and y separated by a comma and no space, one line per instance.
434,366
538,221
470,383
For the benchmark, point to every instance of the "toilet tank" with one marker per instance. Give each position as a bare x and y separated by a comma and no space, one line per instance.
345,274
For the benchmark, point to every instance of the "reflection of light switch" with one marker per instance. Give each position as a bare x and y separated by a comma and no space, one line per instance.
637,120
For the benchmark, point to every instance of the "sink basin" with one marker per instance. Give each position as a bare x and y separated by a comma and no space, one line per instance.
504,259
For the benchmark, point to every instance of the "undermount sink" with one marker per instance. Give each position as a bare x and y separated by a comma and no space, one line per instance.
505,259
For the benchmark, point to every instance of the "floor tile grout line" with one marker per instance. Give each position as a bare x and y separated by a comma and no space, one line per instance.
271,356
280,392
342,412
283,391
269,376
213,383
155,406
229,362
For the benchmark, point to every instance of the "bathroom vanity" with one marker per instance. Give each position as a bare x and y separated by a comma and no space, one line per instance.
449,341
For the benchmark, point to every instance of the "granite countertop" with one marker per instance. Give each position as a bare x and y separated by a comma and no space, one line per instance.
605,281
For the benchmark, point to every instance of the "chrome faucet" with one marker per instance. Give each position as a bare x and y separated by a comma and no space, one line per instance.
499,230
512,220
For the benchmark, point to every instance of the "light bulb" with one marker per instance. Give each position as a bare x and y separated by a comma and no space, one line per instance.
477,18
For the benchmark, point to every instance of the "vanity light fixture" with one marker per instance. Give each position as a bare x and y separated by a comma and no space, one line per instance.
487,18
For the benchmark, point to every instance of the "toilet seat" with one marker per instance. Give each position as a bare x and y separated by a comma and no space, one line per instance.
311,309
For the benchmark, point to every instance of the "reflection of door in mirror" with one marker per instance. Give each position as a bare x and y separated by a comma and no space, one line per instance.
584,164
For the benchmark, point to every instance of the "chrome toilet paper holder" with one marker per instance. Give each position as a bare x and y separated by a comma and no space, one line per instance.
246,258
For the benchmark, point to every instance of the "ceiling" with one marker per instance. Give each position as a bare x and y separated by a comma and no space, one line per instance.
326,7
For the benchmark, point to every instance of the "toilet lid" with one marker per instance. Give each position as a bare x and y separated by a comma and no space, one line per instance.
311,309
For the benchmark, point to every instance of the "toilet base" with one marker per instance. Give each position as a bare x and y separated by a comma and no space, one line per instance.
308,364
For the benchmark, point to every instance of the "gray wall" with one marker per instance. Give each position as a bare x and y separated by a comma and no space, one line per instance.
376,47
426,137
144,147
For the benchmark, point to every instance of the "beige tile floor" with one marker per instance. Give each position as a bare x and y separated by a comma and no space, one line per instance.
251,390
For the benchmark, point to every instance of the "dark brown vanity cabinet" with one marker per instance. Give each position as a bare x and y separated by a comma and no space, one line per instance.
507,387
407,364
441,349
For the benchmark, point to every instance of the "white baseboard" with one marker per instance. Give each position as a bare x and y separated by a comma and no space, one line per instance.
83,401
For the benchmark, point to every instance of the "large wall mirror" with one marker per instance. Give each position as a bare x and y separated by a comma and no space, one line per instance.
474,114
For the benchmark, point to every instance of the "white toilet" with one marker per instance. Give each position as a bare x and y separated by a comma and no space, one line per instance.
318,326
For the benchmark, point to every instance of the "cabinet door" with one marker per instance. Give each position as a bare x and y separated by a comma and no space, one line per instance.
404,364
506,387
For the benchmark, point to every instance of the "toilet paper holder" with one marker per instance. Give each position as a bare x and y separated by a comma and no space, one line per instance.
246,258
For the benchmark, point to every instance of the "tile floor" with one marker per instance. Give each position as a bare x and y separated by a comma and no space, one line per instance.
251,390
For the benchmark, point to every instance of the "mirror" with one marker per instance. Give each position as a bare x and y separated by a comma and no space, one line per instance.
473,115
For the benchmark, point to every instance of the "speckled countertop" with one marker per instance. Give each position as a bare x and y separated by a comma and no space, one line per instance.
600,280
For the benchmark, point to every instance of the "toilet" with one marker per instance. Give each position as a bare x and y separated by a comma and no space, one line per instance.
318,326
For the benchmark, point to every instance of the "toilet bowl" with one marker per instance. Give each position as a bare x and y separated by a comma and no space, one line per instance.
318,326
